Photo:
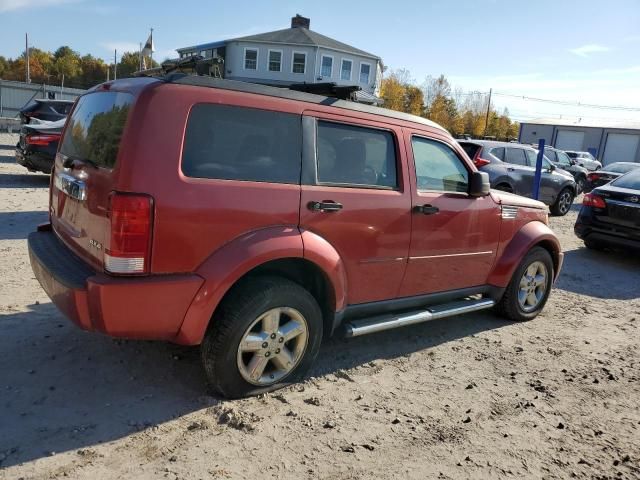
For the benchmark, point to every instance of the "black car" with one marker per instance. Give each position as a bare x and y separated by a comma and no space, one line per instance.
610,214
48,110
38,144
561,160
608,173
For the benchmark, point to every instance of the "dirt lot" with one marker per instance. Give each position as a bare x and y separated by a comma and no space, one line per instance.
466,397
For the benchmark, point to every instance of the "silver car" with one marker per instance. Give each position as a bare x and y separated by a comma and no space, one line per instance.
585,159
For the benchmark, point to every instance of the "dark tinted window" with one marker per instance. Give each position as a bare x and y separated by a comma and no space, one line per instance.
515,156
498,153
95,128
630,180
551,155
235,143
438,167
621,167
470,148
572,154
563,159
355,156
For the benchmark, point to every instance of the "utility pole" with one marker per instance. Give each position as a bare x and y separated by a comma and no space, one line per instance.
26,43
115,64
151,54
486,120
140,57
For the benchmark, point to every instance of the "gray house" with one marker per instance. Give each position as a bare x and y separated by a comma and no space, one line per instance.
610,141
295,55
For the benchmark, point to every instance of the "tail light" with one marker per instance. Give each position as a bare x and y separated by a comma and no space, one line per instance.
592,200
129,247
592,177
481,162
42,140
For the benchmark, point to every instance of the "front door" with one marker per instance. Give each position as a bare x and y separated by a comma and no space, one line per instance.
454,236
355,195
520,170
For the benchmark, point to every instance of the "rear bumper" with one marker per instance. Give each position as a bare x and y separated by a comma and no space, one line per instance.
150,307
612,235
37,161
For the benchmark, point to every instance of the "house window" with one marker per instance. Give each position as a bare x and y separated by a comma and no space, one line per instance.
345,71
327,66
365,73
275,60
299,62
250,59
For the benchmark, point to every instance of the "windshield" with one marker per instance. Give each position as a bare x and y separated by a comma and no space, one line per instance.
95,128
620,167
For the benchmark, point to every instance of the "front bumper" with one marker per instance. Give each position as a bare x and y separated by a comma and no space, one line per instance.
151,307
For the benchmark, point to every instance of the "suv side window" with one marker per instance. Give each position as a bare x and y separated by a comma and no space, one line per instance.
550,154
563,159
515,156
438,167
498,152
532,157
237,143
355,156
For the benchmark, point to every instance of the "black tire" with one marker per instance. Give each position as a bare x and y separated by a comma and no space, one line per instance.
509,305
581,183
563,203
246,302
504,187
593,245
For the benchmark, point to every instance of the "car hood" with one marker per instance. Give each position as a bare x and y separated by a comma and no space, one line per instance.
506,198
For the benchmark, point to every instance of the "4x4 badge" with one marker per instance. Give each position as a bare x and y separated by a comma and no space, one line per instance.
95,244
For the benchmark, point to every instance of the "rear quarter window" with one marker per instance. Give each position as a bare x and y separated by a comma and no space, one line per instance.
236,143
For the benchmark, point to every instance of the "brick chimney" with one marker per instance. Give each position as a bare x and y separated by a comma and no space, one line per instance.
300,21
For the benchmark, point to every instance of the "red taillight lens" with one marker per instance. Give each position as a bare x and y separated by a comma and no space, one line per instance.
592,177
129,245
592,200
43,140
481,162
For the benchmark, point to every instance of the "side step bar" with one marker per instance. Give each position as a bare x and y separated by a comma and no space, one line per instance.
364,326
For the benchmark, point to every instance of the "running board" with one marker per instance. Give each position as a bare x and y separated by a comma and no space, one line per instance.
364,326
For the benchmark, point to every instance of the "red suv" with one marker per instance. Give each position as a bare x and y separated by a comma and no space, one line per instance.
255,221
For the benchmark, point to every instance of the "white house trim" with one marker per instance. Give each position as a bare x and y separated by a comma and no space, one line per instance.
350,69
322,57
244,58
293,54
348,52
269,59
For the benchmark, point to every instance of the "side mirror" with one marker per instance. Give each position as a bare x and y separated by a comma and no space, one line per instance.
479,185
552,167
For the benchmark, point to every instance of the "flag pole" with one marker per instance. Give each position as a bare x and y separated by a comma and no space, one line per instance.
115,64
26,51
151,55
140,57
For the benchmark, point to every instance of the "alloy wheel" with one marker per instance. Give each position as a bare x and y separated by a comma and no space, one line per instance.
533,286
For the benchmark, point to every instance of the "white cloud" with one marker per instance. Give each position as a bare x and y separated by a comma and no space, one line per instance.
9,5
121,47
586,50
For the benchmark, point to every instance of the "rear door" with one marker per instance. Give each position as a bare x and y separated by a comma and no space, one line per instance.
80,195
519,170
454,236
355,195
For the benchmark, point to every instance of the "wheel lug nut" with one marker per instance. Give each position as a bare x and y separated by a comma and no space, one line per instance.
267,354
277,350
281,339
273,335
265,345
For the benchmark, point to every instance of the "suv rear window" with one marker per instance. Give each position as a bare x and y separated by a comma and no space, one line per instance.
236,143
95,128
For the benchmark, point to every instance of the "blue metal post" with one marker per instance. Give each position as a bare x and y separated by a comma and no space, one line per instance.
536,181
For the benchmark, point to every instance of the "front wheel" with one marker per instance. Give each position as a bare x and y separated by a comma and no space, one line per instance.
265,335
563,203
581,183
529,288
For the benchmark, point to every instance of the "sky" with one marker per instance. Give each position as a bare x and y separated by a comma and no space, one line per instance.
571,51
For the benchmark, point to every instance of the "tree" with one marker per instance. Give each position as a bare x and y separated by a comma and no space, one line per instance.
392,93
67,63
413,100
4,66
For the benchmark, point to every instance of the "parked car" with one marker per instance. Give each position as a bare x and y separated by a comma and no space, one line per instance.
610,214
608,173
561,160
36,149
48,110
255,221
585,159
511,168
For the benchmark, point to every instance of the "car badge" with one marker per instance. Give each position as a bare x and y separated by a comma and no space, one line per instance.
633,199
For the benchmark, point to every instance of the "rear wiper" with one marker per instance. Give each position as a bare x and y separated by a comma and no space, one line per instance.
70,162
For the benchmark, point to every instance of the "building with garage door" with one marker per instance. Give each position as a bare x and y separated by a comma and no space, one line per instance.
610,141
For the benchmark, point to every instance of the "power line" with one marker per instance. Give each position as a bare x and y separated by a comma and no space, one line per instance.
570,103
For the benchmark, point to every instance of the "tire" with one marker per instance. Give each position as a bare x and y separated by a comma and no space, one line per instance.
563,203
257,301
510,305
592,245
581,183
504,187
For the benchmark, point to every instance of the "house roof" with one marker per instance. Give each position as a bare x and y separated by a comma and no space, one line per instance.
590,123
304,36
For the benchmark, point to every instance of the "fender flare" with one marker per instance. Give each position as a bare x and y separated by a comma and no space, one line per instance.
531,234
223,268
503,179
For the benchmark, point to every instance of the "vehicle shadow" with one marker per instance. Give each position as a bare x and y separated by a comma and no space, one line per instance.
26,180
65,389
18,225
7,158
592,273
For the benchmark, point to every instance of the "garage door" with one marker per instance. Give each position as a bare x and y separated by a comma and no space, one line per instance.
621,147
570,140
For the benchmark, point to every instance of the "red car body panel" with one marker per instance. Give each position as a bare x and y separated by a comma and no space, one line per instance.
207,233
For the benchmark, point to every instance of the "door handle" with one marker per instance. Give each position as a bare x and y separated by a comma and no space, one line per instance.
324,206
511,169
426,209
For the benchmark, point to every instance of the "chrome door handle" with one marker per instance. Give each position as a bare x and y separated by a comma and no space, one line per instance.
324,206
426,209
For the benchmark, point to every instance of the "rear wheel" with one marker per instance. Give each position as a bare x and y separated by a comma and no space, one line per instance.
504,187
593,245
563,203
265,335
581,183
529,288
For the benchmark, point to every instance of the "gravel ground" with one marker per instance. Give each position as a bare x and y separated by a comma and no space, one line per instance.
465,397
